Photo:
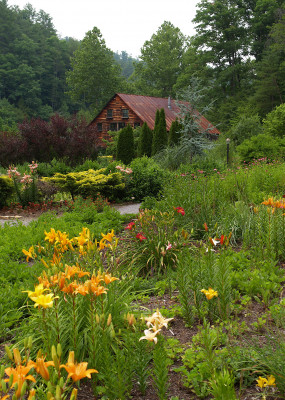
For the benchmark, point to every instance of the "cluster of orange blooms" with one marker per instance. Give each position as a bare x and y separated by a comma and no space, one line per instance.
18,375
274,203
92,285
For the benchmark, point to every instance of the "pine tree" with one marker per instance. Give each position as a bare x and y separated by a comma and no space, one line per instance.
125,145
145,141
160,133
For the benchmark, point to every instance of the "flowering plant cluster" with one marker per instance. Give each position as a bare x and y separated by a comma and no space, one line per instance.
24,375
25,186
155,240
126,170
155,323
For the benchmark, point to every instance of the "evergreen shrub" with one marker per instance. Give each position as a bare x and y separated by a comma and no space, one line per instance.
160,137
145,141
125,145
6,190
90,183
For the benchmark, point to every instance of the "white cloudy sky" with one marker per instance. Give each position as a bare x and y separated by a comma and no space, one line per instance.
124,24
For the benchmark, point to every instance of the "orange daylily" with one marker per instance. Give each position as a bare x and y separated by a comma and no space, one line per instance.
41,367
109,279
20,376
77,371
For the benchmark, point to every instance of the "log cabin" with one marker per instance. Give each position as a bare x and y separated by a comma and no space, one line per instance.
123,109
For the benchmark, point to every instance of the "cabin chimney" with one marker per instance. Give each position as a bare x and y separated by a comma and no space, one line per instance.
169,103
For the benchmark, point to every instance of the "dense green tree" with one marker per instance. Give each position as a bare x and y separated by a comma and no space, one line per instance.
145,141
125,145
94,76
33,62
222,41
161,62
244,128
174,133
270,82
274,123
160,138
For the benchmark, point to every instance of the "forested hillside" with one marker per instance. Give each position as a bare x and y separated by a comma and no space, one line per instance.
237,53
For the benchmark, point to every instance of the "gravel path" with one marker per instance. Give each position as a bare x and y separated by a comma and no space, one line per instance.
26,219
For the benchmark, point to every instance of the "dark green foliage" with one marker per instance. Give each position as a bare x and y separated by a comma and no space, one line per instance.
160,138
145,141
274,123
147,178
245,128
125,145
33,62
261,146
6,190
174,133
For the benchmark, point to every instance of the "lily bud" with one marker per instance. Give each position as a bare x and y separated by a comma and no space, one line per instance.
55,358
58,392
73,394
59,350
30,342
109,320
24,388
2,370
26,342
11,380
97,318
61,382
3,386
9,353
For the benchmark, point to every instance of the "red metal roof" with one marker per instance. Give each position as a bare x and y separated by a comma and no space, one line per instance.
145,107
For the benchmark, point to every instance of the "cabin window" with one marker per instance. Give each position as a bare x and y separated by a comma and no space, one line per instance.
113,126
99,127
110,113
125,113
137,124
121,125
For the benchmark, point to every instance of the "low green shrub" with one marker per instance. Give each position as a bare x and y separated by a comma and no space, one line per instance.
6,190
90,183
147,178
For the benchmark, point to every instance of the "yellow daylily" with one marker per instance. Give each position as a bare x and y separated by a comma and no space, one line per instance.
39,289
30,253
109,236
44,300
210,293
51,236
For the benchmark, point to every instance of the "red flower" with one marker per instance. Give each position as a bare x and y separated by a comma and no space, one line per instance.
130,226
140,236
205,227
180,210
